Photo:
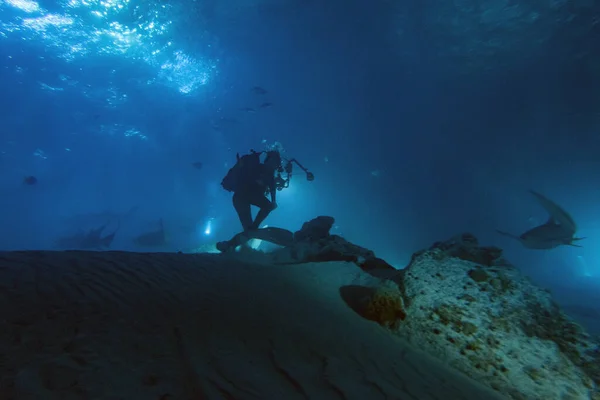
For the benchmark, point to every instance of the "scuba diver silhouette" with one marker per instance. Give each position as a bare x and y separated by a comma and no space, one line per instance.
255,181
251,181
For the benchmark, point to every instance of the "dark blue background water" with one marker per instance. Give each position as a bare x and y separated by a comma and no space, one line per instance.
420,120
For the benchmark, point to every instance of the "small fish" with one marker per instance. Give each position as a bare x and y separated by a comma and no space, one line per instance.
30,180
197,165
228,120
258,90
266,105
248,109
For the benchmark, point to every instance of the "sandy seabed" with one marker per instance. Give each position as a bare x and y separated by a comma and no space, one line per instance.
117,325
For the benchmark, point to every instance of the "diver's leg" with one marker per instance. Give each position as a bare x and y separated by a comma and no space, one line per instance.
241,202
263,213
265,209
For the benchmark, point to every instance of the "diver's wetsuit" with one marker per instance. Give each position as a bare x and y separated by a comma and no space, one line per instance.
253,194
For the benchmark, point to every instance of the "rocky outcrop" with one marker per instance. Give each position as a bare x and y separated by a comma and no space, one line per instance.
382,303
466,247
314,243
470,308
212,326
466,305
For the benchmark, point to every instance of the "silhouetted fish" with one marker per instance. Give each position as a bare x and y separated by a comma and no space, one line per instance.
248,109
86,241
558,230
94,239
30,180
266,104
258,90
544,237
197,165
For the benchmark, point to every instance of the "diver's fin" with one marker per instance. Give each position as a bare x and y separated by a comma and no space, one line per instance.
510,235
557,213
278,236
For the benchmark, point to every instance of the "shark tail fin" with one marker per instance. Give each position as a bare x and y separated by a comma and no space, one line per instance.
106,241
165,237
510,235
576,239
131,211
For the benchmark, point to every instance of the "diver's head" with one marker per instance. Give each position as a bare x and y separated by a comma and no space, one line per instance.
273,159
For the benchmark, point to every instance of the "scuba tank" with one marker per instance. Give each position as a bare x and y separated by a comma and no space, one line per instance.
236,174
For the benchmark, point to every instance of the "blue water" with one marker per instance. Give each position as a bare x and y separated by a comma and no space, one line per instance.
419,121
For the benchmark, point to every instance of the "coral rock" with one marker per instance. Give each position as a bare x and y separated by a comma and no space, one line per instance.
466,247
315,229
314,243
468,307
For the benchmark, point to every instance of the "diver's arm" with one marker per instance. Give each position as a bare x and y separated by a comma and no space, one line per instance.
273,191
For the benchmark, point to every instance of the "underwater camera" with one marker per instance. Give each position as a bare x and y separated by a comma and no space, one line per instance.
281,182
